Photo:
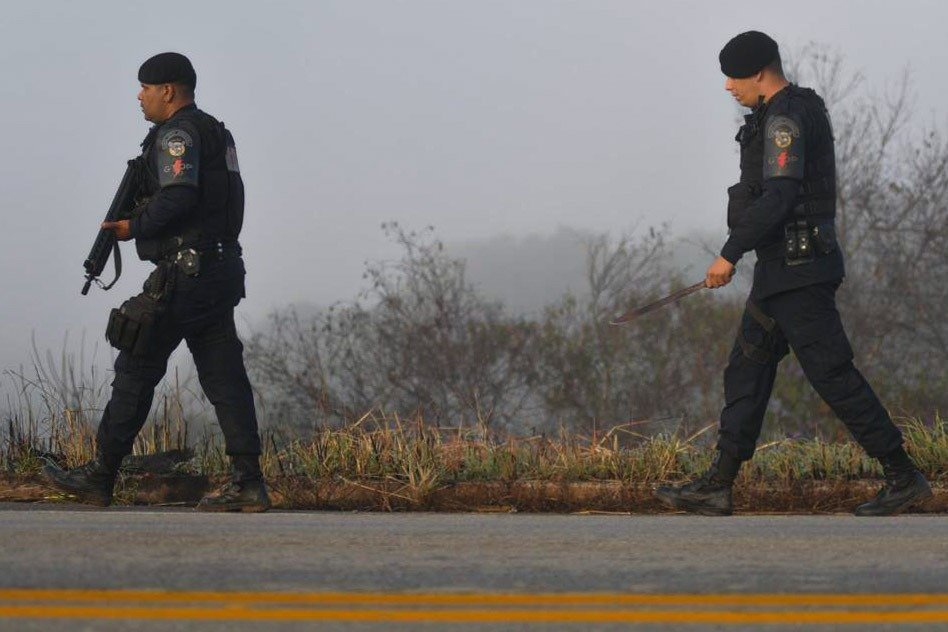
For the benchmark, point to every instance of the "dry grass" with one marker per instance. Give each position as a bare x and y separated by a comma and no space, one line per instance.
383,461
380,447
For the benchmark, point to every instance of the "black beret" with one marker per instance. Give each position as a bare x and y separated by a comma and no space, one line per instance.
747,54
168,68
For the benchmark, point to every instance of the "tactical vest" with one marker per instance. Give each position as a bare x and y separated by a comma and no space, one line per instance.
816,203
219,215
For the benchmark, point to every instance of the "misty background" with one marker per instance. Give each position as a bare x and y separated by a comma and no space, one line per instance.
514,128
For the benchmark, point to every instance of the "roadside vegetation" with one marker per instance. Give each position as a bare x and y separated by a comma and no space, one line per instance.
384,462
422,384
388,448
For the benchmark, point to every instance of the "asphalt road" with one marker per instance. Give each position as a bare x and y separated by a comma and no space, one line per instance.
474,571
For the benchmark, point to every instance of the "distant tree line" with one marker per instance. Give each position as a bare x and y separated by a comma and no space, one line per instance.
422,341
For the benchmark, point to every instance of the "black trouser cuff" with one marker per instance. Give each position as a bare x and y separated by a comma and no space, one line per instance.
728,466
898,461
246,467
112,461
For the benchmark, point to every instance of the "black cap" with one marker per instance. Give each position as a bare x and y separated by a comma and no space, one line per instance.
747,54
168,68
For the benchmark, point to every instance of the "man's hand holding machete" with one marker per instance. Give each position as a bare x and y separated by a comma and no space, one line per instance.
719,273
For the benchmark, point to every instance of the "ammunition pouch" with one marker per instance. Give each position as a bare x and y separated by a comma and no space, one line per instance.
132,326
807,237
797,246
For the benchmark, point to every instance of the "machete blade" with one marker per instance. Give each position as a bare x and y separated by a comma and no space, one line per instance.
634,313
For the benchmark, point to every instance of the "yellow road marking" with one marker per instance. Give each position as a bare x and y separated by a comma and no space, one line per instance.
480,616
487,599
746,609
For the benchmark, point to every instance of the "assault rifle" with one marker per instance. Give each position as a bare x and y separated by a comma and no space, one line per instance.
105,242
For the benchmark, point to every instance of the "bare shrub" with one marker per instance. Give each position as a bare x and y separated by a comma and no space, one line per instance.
419,341
893,223
594,375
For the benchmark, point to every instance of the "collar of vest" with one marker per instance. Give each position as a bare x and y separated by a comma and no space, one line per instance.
190,107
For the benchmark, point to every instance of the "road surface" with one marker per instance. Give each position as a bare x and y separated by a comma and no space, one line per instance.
67,567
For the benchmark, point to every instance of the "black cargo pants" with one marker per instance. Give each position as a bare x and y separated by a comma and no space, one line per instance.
805,320
201,312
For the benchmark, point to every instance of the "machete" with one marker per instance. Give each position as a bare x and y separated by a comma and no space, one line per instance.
632,314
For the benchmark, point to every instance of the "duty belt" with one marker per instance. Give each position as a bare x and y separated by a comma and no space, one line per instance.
191,260
221,251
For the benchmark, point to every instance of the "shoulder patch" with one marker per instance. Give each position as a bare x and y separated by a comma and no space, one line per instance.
176,141
783,148
177,157
782,131
230,152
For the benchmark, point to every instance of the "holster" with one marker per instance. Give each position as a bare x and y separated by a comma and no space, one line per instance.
132,326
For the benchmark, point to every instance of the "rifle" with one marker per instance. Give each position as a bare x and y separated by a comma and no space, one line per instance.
105,242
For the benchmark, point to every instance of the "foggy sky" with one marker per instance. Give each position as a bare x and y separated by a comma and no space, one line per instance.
478,117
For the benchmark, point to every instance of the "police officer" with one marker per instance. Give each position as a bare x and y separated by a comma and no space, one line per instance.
784,208
187,222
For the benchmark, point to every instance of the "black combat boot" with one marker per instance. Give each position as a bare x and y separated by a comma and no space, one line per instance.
91,483
709,494
904,487
245,491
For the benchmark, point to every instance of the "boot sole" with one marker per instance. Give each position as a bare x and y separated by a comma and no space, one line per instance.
83,497
921,499
92,500
684,505
232,508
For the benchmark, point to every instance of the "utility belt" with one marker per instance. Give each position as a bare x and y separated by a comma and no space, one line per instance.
192,260
132,326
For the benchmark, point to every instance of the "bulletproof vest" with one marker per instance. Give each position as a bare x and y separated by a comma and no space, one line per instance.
817,199
220,212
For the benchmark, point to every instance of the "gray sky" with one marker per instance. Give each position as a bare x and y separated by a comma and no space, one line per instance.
479,117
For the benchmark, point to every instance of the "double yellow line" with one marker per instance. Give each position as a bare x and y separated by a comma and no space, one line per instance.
588,608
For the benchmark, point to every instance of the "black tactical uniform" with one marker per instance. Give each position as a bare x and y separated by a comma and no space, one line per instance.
784,209
192,218
190,212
